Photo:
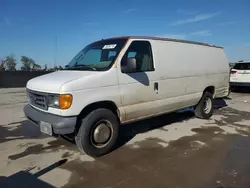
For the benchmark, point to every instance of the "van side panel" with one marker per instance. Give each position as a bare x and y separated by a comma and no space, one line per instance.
185,70
182,71
189,60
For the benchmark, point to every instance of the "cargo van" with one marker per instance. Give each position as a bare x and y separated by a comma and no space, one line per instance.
121,80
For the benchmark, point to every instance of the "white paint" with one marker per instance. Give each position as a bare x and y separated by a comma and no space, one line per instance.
182,72
52,82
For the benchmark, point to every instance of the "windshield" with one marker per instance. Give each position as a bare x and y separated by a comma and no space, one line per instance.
98,56
242,66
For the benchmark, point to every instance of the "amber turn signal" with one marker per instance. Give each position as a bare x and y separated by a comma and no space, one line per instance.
65,101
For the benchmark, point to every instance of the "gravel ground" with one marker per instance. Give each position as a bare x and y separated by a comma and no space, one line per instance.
175,150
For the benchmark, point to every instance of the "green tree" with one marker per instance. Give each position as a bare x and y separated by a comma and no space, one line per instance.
10,63
2,65
36,67
45,67
56,68
29,64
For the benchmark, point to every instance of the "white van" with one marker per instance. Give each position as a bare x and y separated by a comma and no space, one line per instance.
120,80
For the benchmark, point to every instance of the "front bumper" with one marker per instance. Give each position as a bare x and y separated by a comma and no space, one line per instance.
60,125
240,84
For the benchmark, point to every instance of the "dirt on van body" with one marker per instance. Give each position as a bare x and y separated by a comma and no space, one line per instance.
175,151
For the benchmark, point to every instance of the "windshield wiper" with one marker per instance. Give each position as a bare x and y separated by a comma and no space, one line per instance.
82,66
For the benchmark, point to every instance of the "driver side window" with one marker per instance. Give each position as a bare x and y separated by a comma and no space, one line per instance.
141,54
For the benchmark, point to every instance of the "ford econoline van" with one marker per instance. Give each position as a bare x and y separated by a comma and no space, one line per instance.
121,80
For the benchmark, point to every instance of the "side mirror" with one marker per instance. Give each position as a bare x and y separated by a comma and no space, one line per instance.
130,66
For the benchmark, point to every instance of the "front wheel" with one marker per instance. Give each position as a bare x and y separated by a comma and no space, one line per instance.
204,108
98,133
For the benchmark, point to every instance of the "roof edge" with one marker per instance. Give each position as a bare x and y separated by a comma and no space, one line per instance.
164,39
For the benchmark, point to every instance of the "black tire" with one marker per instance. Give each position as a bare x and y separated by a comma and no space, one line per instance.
229,92
200,110
84,137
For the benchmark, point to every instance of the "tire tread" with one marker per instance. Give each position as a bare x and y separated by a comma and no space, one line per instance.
83,132
199,113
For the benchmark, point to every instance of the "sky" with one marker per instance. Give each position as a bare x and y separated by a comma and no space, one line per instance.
54,31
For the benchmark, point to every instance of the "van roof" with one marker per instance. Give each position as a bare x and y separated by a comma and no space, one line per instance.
163,39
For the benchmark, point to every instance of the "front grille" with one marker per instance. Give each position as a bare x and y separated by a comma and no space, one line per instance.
37,99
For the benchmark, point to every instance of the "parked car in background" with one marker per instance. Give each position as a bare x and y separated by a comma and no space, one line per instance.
240,75
121,80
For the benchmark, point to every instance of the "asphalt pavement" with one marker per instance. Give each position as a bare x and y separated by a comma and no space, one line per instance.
175,150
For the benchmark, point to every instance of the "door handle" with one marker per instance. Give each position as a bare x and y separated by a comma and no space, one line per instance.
156,86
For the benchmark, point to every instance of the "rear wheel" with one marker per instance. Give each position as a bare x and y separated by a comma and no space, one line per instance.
98,133
204,108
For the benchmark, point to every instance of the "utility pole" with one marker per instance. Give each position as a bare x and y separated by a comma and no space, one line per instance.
56,49
56,36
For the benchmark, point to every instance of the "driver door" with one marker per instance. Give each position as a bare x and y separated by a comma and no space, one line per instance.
138,87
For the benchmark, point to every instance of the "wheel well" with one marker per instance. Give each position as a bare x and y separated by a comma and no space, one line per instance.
102,104
210,89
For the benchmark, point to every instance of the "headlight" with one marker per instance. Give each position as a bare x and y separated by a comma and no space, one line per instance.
53,101
62,101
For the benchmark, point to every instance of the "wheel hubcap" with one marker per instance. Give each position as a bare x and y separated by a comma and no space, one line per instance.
102,133
207,105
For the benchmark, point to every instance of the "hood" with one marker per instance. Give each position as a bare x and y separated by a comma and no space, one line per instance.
52,82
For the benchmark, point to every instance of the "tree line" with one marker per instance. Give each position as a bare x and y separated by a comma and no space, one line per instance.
28,64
